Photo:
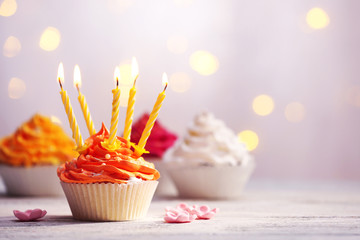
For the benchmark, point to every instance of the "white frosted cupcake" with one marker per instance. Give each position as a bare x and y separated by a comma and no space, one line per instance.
209,162
29,157
108,184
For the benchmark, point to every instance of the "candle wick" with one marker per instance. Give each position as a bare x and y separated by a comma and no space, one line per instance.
77,87
165,87
60,84
135,80
117,82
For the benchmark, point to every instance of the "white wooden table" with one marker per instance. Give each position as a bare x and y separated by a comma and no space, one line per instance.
268,210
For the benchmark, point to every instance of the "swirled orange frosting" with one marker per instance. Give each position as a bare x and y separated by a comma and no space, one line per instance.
96,164
38,141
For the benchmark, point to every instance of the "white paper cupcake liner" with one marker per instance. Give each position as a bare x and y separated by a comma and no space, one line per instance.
31,181
211,182
166,186
109,201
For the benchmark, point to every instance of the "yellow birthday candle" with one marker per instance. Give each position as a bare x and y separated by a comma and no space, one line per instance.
68,109
131,101
82,101
115,108
140,149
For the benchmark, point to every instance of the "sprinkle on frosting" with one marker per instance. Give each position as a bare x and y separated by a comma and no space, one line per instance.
98,164
159,141
208,142
38,141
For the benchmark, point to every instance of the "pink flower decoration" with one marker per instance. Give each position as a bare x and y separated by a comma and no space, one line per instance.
29,215
185,213
175,216
204,212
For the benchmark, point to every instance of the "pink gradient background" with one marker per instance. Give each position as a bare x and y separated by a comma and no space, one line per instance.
263,47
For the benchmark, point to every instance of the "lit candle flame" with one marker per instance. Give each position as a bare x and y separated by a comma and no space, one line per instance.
134,69
165,81
77,77
117,76
60,75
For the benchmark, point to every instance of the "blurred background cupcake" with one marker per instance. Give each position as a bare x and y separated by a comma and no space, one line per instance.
29,157
159,141
209,162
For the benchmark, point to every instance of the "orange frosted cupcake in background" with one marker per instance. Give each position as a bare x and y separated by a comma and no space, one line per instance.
158,142
29,157
105,184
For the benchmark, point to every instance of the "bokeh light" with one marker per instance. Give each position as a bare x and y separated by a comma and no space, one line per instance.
204,62
180,82
50,39
263,105
126,78
55,119
16,88
12,47
183,3
126,81
295,112
124,96
177,44
317,18
119,6
249,138
353,95
8,8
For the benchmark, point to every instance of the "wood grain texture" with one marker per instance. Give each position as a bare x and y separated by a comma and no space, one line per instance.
268,210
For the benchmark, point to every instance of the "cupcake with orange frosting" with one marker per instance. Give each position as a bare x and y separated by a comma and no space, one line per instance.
158,142
105,184
30,156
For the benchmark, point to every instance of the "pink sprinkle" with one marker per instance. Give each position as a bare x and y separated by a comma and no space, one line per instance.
107,156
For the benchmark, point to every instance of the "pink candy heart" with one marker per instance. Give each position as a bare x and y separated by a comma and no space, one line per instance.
29,215
184,213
